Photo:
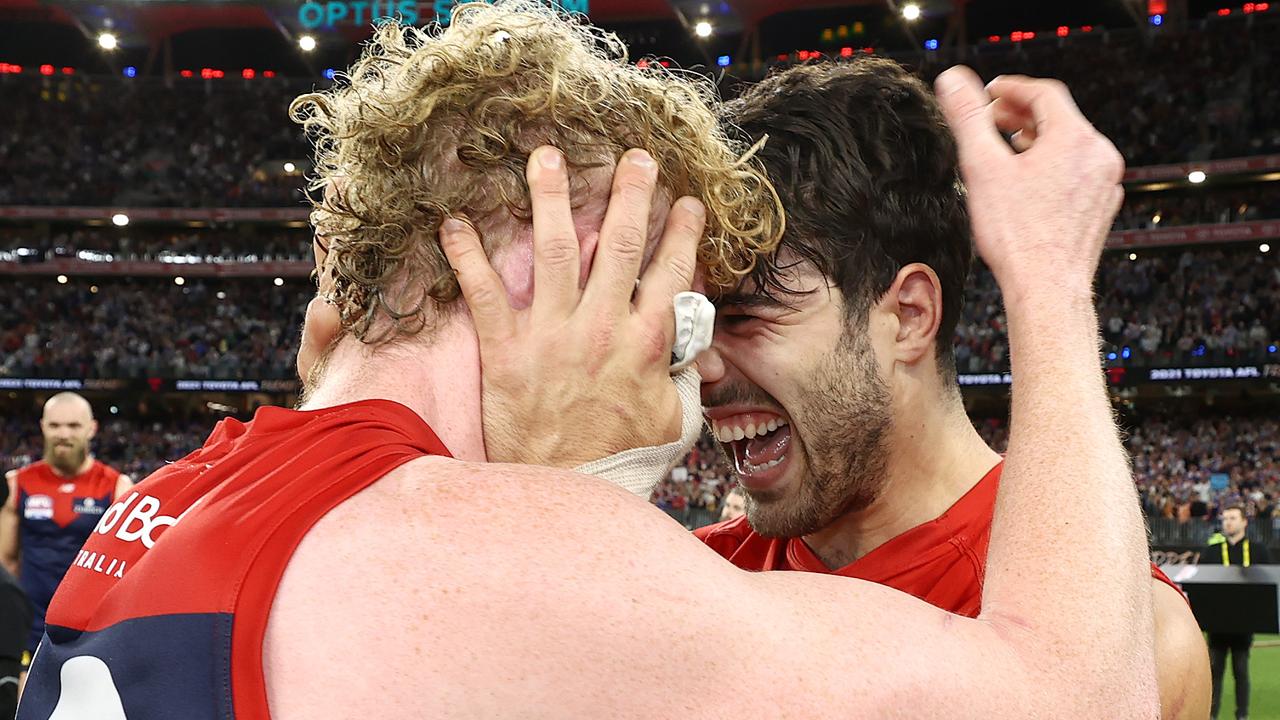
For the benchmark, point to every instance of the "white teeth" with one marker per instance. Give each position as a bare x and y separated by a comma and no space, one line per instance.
738,434
725,434
752,469
751,430
773,425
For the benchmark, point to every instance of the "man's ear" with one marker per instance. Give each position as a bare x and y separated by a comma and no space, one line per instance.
915,298
320,330
323,323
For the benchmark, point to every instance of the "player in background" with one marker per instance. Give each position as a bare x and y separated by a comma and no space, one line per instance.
54,504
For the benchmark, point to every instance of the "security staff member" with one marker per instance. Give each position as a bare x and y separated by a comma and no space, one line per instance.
1232,548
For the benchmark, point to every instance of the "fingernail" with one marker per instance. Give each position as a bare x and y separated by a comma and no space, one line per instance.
452,226
949,81
691,205
550,158
642,159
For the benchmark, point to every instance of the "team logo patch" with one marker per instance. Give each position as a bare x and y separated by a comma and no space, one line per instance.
38,507
67,487
88,506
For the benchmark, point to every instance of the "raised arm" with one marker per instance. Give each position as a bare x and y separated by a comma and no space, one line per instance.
1040,221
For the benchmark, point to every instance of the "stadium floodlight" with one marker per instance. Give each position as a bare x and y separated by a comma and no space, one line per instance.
107,41
119,219
1133,256
1195,177
222,295
62,279
1264,248
1155,219
911,12
279,282
703,29
307,43
290,167
179,280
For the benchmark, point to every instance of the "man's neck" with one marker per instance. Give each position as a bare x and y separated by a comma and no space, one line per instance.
77,472
933,462
438,377
1235,539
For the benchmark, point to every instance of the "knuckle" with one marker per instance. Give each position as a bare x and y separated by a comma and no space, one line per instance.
560,251
627,243
1055,85
634,183
548,188
681,266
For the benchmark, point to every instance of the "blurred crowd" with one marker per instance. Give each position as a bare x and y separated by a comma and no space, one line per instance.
136,448
1200,206
1194,468
1186,467
143,328
1165,97
1191,467
85,140
241,243
1171,307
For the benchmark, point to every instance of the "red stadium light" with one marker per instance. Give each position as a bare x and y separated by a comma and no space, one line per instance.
1248,8
219,74
641,63
68,71
846,52
1086,28
1063,31
665,63
993,38
46,69
1028,36
803,54
1223,12
1157,7
783,57
248,73
7,69
868,50
1262,7
268,73
187,73
1015,36
206,73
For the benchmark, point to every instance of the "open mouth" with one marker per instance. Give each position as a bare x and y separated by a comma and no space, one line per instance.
758,443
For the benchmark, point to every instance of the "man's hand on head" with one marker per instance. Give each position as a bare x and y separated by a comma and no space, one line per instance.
1040,210
582,373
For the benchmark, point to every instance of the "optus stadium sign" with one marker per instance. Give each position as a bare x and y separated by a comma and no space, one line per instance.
319,15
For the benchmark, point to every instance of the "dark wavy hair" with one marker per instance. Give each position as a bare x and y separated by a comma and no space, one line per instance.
867,171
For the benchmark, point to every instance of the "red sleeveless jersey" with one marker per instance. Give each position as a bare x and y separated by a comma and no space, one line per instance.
941,562
163,612
56,514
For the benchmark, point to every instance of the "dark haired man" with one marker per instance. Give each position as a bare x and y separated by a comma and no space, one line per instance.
831,382
1232,548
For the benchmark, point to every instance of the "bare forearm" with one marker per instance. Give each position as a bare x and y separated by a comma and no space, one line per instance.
1062,429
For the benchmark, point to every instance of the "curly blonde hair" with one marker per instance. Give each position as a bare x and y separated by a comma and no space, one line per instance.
432,124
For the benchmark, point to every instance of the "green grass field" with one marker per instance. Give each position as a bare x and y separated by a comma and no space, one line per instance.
1264,675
